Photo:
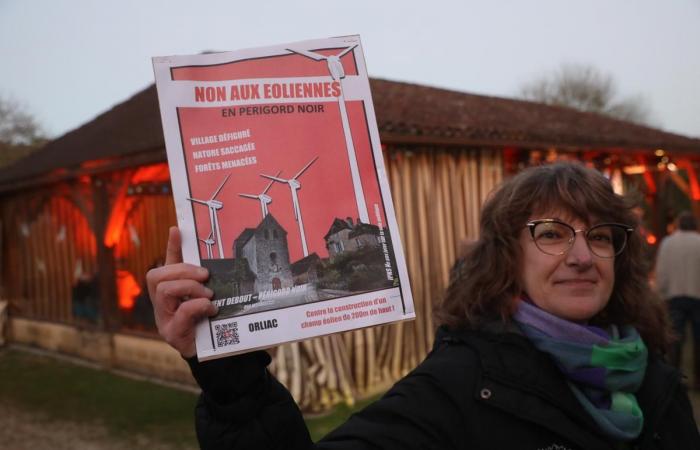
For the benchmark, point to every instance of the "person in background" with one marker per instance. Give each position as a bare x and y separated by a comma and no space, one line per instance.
550,338
85,298
678,282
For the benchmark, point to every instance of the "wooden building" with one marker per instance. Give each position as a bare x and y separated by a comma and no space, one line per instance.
84,218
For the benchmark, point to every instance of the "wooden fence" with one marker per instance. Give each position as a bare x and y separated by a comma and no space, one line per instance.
50,237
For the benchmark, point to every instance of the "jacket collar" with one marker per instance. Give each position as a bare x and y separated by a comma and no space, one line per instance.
510,363
508,357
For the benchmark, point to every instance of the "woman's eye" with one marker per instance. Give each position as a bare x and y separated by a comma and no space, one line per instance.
549,235
599,237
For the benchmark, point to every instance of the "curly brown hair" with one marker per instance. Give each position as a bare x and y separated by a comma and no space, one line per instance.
485,280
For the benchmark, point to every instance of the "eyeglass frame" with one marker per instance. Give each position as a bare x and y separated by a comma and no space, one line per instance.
533,223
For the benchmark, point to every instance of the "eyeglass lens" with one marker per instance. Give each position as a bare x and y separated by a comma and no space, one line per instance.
555,238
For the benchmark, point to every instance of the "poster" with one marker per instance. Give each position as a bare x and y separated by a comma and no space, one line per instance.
280,191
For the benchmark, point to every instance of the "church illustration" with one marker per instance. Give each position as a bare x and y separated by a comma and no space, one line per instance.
266,251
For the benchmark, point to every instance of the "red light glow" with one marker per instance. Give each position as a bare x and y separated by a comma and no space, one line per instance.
692,178
123,202
127,289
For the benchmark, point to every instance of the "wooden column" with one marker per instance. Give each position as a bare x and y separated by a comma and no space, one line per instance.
106,268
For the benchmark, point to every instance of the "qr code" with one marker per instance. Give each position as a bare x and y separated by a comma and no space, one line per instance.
226,334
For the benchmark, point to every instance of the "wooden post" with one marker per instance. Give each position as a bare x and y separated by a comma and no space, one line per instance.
693,190
106,269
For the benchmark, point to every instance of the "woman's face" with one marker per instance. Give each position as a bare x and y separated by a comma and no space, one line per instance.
574,286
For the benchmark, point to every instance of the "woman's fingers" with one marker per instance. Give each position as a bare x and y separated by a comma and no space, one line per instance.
177,271
180,271
180,331
173,253
170,294
181,290
170,287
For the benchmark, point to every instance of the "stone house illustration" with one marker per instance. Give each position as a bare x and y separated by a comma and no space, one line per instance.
346,236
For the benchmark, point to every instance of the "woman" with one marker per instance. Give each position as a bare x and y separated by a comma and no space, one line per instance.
550,339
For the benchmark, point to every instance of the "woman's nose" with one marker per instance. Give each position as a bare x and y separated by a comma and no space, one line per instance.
580,254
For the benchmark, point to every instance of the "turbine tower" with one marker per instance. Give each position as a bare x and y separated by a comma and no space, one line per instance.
294,186
214,205
263,197
209,242
337,73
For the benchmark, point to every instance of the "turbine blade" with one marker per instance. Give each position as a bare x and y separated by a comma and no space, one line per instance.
269,185
197,201
270,177
250,195
347,50
308,54
305,167
220,187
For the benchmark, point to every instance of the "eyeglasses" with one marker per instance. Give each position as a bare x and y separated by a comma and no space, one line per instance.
553,237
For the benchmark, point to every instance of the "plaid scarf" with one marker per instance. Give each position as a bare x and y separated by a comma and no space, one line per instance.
603,369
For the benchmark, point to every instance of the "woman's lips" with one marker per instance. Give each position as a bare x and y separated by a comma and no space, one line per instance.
576,281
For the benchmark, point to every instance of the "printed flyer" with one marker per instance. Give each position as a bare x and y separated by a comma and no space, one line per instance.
280,191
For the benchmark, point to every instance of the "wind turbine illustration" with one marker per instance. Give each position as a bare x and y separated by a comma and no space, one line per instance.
294,186
337,73
209,242
214,205
263,197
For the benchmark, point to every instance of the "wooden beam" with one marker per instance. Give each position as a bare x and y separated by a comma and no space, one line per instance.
105,258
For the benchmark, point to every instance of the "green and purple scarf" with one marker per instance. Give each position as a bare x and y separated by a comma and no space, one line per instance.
604,369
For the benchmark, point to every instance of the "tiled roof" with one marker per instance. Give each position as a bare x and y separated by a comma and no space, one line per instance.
131,133
363,228
336,226
438,114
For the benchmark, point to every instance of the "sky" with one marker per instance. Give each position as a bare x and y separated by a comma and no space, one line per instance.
68,61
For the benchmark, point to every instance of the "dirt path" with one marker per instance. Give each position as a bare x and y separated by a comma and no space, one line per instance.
21,429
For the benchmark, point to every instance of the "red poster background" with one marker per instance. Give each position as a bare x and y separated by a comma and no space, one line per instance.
284,142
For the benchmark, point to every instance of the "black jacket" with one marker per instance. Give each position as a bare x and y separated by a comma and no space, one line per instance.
475,390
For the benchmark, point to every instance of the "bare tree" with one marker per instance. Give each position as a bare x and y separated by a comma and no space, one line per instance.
20,133
17,126
586,89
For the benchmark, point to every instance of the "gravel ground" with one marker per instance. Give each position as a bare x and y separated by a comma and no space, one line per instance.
24,430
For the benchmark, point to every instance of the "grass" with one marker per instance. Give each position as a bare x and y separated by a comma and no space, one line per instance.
125,407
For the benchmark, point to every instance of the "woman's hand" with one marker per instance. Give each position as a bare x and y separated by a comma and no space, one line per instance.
180,300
